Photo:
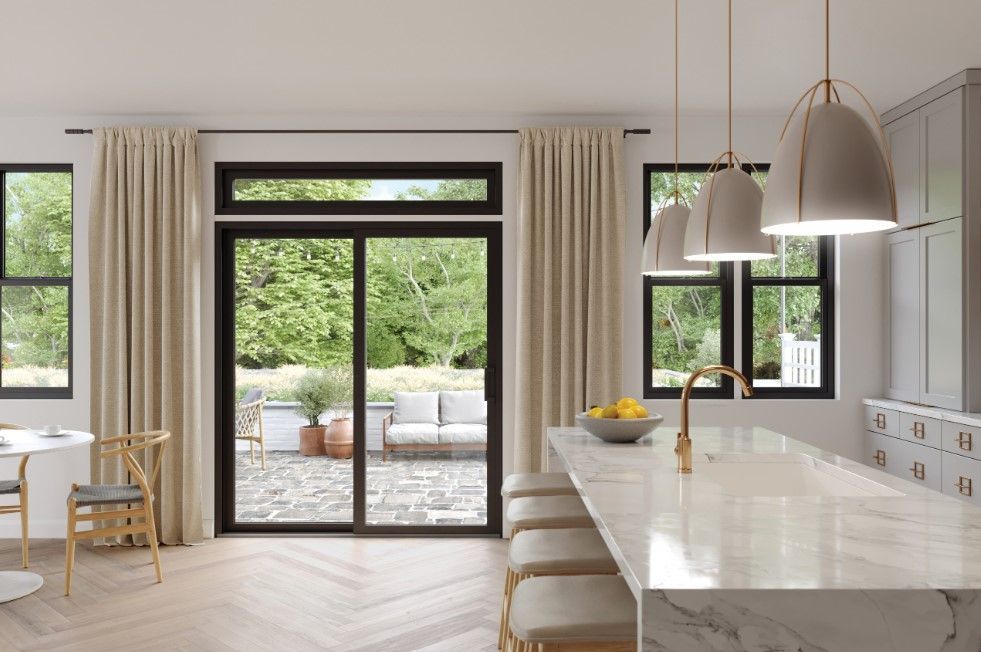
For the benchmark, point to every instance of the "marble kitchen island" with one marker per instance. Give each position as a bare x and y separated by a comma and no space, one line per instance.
728,561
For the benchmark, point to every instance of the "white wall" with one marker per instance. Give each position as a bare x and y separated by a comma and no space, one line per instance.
834,425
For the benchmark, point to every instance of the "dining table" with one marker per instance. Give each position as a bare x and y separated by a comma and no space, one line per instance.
17,444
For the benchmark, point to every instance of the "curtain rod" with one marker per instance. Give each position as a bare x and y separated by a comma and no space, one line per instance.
74,132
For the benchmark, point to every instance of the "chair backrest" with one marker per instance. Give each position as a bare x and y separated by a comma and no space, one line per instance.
12,426
145,441
251,396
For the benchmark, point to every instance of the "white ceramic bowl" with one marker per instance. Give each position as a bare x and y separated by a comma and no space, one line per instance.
619,430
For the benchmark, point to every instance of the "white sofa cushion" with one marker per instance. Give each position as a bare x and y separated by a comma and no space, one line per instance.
463,407
463,433
416,407
412,433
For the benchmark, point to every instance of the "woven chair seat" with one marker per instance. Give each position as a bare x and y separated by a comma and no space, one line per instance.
9,486
106,494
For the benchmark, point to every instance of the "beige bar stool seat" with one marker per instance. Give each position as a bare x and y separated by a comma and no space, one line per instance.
547,512
520,485
568,551
584,612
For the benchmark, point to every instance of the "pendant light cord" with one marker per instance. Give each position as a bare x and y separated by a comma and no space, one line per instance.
677,186
827,51
730,83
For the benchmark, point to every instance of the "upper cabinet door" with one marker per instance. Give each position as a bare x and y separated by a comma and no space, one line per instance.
942,158
903,316
941,315
903,137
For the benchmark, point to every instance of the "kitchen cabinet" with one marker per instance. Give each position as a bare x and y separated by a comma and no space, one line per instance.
903,316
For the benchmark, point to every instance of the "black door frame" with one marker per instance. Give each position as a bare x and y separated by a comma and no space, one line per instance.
225,235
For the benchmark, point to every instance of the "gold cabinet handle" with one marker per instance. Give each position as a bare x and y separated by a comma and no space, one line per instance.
965,441
919,471
963,485
880,457
919,430
880,420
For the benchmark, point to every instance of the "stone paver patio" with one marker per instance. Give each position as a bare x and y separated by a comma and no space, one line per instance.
411,489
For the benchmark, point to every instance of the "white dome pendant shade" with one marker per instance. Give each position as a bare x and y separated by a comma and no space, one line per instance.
725,220
665,243
840,183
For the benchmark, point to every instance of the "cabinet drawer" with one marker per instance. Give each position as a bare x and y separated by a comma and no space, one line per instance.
961,439
920,430
962,478
882,452
882,421
919,464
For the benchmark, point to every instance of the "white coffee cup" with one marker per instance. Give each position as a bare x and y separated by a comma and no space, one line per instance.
3,439
51,431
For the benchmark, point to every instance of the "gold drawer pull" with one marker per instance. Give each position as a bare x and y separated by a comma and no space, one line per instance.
963,485
919,430
919,471
965,441
880,420
880,457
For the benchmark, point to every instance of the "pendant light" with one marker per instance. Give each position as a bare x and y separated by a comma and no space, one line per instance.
665,241
832,172
724,221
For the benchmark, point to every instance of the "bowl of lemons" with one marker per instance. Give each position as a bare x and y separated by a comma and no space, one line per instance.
620,422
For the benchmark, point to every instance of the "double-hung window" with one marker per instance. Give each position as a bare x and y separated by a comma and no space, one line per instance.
786,313
35,281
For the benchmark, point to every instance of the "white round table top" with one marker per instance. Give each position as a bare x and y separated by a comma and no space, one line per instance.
35,442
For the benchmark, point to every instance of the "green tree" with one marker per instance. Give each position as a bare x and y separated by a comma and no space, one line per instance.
301,189
38,211
449,190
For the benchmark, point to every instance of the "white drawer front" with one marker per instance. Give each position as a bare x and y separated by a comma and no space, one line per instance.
962,478
961,439
882,452
919,464
882,421
920,430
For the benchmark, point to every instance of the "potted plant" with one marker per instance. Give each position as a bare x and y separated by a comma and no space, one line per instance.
339,438
312,393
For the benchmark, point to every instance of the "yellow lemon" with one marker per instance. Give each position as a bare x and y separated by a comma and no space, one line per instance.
626,413
609,412
640,411
626,402
595,412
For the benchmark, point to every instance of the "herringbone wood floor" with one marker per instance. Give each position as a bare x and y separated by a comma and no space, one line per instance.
263,594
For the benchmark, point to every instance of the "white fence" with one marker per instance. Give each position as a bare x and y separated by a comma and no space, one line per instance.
800,362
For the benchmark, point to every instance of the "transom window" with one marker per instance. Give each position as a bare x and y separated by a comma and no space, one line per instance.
787,312
418,188
35,281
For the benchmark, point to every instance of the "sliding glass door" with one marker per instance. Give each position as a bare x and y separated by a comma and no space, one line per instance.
356,378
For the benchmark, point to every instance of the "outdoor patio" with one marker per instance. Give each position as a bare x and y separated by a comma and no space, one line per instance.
410,488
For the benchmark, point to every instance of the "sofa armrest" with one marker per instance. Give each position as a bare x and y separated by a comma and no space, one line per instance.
386,422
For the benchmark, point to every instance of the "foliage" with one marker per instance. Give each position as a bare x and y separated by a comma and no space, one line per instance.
279,384
426,297
38,213
312,394
340,391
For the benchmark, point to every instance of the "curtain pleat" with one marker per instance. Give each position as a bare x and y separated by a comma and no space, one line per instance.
571,211
144,251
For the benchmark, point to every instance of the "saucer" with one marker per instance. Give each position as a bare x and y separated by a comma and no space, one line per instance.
60,433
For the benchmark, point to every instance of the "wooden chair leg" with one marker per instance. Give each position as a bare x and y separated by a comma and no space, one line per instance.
504,610
152,539
252,450
262,443
24,554
70,547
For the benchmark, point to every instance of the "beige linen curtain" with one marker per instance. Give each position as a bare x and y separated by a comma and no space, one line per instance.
570,279
144,253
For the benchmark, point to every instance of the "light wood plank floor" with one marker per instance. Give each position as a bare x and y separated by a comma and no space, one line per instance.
263,594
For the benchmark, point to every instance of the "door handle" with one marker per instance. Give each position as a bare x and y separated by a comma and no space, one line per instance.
490,383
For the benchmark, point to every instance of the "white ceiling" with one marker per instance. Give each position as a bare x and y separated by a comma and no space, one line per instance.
463,56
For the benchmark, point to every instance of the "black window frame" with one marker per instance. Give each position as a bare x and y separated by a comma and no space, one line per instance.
825,280
67,282
227,172
725,283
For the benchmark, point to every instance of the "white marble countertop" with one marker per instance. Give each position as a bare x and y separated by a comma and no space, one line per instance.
943,414
671,531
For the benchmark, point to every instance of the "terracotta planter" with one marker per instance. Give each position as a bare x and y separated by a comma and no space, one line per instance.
339,439
312,440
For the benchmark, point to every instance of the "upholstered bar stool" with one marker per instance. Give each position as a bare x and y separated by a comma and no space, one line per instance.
521,485
584,612
567,551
